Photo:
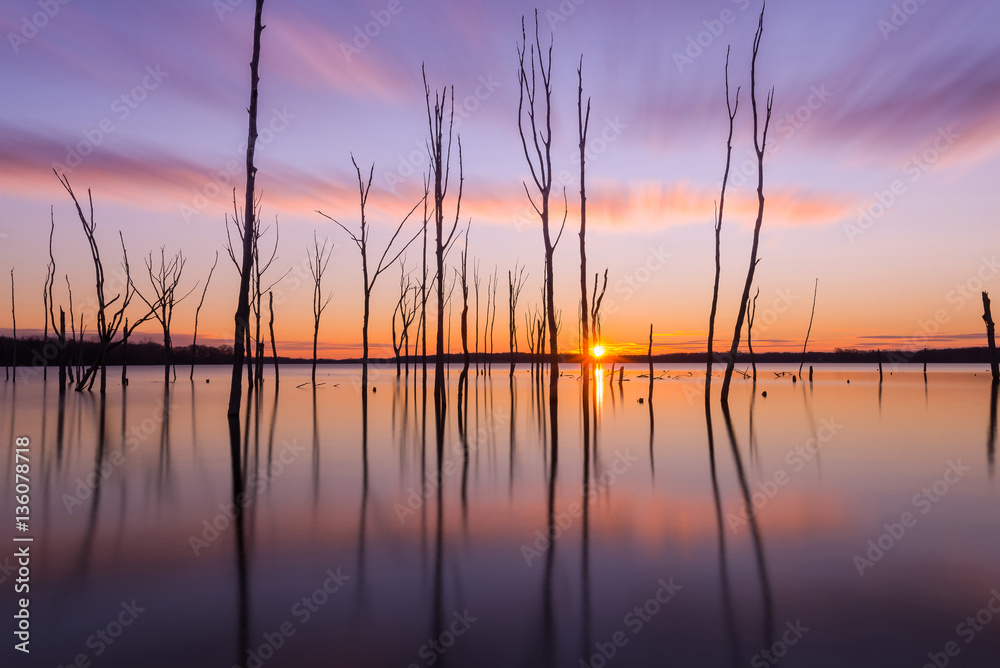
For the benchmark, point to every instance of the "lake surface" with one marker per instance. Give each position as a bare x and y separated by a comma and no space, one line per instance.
617,535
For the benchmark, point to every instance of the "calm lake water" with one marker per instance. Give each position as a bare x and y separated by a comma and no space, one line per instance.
874,535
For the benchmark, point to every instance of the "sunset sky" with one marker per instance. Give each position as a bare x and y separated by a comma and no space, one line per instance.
145,103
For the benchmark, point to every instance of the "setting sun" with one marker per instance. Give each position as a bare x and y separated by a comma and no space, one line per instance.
598,351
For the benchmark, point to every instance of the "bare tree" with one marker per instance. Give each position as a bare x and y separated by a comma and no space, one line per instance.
50,277
242,316
464,321
595,314
493,319
760,145
107,327
361,241
515,282
194,341
475,282
808,331
440,154
406,309
318,263
13,318
165,281
423,283
260,267
583,124
731,110
540,166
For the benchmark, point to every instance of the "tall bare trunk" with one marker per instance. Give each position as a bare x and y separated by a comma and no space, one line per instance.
731,111
243,300
13,318
760,145
583,123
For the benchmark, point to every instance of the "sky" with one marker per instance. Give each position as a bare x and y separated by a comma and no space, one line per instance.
880,179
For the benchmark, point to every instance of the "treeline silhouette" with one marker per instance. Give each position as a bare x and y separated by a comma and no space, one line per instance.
31,352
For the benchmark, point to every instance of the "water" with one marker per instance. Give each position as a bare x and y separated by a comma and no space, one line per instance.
127,568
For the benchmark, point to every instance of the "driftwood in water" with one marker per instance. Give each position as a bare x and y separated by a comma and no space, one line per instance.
808,331
991,337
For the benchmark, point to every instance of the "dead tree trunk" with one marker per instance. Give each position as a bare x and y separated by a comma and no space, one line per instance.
362,243
242,316
62,350
760,146
194,341
583,124
125,356
13,318
423,288
731,110
107,327
595,313
50,277
808,331
270,326
878,354
440,150
515,281
990,338
318,263
650,355
493,321
475,283
464,322
753,313
164,283
540,167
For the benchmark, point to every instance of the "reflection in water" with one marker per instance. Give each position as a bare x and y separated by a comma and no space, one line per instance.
129,538
549,612
585,611
90,532
242,586
727,595
992,439
758,542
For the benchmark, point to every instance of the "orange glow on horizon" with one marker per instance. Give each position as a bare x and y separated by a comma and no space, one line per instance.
598,351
